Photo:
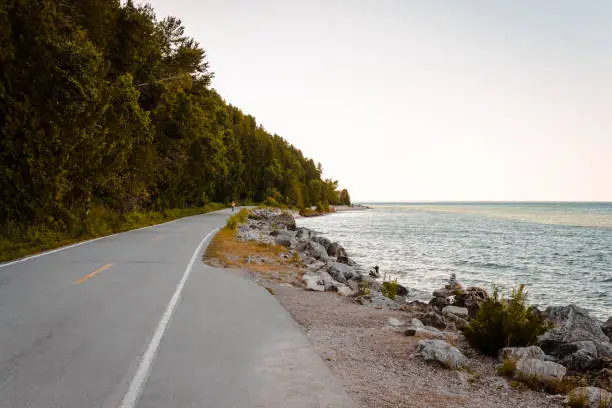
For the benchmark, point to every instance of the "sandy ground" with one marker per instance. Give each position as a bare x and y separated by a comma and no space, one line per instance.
375,362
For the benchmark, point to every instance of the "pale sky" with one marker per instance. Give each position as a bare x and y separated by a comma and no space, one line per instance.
424,100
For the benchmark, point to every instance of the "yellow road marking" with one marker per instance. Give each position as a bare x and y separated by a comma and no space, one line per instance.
157,238
94,273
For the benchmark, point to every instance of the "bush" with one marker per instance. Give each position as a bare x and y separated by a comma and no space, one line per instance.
501,323
507,368
237,219
389,288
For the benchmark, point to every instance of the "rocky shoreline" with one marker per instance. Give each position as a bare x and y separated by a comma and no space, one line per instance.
577,346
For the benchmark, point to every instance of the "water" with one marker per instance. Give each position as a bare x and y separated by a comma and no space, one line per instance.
561,251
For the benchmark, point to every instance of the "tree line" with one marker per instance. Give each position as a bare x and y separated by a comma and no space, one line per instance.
103,104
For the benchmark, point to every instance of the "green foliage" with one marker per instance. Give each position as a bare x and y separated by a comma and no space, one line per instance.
501,323
507,368
578,399
99,221
104,106
389,288
235,220
345,198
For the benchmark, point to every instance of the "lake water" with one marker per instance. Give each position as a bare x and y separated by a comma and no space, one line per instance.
561,251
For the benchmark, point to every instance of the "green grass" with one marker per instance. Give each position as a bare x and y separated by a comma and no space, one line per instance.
389,288
16,241
235,220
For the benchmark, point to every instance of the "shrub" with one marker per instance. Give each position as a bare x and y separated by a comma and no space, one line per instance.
389,288
578,399
501,323
507,368
237,219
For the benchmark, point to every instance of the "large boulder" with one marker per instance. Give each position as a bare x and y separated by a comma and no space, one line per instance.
518,353
434,319
442,352
591,397
317,251
573,325
342,272
607,328
304,234
285,219
313,283
542,371
322,241
439,302
336,250
471,298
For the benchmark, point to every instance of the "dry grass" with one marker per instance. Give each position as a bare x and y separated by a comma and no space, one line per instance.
225,250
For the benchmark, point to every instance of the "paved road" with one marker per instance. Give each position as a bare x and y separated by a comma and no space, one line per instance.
137,320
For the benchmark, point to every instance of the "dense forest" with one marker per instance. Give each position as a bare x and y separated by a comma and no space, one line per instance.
103,105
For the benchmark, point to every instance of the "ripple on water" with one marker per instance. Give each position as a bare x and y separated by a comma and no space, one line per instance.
483,245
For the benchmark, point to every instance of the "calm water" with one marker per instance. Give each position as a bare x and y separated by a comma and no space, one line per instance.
562,251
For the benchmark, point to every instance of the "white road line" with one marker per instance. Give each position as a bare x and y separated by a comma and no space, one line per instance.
27,258
140,378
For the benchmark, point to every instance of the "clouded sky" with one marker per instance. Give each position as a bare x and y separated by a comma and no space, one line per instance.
424,100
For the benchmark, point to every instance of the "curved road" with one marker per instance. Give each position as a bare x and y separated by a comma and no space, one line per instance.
137,320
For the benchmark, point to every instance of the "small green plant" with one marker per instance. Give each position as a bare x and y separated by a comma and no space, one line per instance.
578,399
237,219
389,288
507,368
364,288
501,323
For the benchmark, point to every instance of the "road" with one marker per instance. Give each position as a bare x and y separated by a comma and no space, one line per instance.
138,320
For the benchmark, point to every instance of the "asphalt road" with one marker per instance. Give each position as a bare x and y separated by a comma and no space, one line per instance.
137,320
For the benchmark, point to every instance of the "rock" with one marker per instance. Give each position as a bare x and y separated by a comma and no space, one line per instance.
327,281
457,311
416,323
322,241
336,250
402,290
312,283
453,284
342,273
577,338
458,321
344,290
346,260
301,246
316,266
285,241
426,332
439,302
443,293
532,368
393,322
607,328
434,319
517,353
317,251
471,298
572,323
284,219
377,300
304,234
578,355
442,352
592,397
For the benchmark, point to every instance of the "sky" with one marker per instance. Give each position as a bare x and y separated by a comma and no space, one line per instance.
431,100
